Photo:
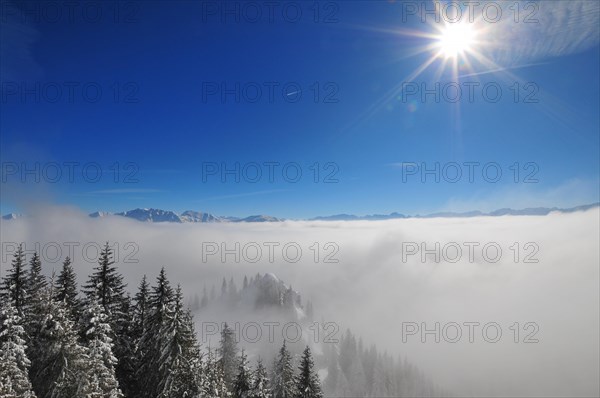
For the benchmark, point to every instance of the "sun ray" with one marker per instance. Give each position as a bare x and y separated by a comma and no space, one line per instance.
391,94
455,51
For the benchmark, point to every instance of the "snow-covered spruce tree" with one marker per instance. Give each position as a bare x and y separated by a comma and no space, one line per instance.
7,390
213,380
204,301
100,366
65,289
35,304
307,381
152,341
283,380
335,384
124,348
260,383
243,380
139,321
180,355
141,308
106,286
36,282
194,304
14,364
382,386
232,291
224,288
14,283
351,365
348,351
333,370
61,359
369,360
228,356
356,378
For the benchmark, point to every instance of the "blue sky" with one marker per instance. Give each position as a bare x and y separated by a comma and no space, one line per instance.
338,107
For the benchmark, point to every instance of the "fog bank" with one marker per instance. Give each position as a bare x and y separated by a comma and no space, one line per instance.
381,282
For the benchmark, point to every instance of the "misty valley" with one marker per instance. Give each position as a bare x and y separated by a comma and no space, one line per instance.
393,313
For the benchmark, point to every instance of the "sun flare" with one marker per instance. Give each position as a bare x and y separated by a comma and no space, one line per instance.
456,39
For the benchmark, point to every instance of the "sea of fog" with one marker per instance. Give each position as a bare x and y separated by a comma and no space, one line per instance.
402,284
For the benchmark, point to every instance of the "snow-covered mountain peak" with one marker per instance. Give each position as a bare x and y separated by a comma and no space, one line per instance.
12,216
151,215
100,214
260,218
197,216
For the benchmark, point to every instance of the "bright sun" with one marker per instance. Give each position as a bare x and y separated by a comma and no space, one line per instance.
455,39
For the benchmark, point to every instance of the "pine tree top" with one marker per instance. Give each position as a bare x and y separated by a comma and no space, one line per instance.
14,284
106,283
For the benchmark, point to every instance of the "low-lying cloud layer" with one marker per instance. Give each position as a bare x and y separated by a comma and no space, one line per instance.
539,272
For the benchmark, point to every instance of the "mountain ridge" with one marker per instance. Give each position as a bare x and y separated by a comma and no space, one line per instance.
530,211
192,216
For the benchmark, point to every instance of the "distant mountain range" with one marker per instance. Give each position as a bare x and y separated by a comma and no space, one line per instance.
190,216
531,211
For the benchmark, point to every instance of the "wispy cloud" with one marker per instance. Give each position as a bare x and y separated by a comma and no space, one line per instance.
546,29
